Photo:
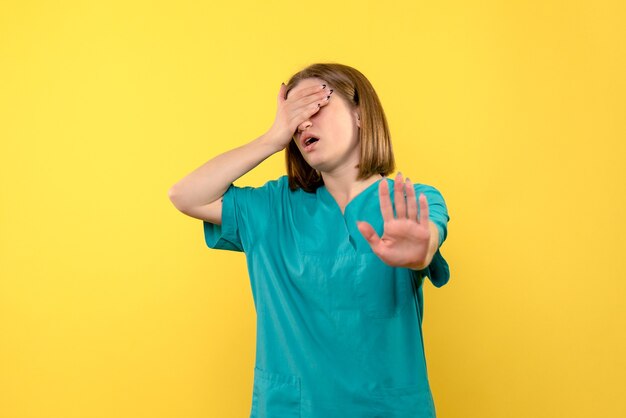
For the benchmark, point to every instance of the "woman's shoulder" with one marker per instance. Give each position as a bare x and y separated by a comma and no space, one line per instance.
275,189
424,186
427,189
269,185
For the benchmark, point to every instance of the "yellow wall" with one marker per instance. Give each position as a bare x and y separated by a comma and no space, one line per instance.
112,306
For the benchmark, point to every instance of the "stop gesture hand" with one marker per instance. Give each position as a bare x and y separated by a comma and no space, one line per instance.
406,240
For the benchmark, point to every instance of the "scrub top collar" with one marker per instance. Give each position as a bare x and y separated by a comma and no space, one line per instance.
330,201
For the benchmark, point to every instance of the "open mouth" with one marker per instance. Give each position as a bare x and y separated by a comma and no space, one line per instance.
310,141
310,144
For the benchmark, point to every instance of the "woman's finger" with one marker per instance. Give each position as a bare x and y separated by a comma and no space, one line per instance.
411,201
385,200
398,188
423,209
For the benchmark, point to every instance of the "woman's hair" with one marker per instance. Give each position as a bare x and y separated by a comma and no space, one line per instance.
374,137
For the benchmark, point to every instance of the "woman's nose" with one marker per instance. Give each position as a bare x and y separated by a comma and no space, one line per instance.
304,125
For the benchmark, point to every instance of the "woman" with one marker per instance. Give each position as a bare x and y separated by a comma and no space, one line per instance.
336,276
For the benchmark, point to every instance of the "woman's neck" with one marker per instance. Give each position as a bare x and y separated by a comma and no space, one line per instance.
345,187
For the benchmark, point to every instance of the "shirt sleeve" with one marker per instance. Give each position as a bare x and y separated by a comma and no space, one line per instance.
438,270
245,211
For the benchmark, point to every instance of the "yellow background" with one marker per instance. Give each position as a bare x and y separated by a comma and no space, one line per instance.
112,306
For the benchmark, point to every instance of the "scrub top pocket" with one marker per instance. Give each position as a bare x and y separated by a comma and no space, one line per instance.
275,395
358,282
381,290
412,401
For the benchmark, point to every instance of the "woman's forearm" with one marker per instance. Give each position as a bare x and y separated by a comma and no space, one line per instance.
210,181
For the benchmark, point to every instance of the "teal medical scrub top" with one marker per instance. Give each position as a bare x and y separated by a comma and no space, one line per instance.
339,332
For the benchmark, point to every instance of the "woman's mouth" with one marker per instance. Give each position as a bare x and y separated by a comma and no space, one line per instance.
310,144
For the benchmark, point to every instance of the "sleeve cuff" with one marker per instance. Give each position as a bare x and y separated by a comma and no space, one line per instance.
438,270
226,235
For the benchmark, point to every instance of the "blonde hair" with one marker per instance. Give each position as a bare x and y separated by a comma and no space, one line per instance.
374,137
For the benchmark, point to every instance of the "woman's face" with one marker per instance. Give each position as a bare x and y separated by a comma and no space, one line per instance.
337,128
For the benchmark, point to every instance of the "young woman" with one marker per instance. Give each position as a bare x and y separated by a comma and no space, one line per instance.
337,253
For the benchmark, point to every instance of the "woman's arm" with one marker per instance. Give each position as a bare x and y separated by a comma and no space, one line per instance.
198,194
